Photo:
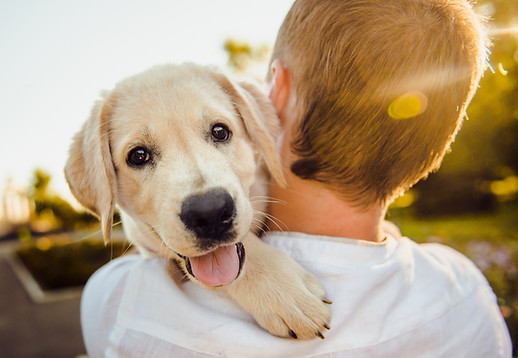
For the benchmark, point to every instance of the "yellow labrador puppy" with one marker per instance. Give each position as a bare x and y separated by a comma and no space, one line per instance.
178,149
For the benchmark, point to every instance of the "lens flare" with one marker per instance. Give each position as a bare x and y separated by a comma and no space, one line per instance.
408,105
501,69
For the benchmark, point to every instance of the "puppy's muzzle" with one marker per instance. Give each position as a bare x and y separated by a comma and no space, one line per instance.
210,216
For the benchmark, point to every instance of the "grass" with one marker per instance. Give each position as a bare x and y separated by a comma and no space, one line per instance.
500,228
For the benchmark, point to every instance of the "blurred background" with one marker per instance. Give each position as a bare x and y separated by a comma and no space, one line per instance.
57,56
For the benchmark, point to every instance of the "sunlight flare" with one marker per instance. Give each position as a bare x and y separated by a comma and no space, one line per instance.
502,70
500,31
408,105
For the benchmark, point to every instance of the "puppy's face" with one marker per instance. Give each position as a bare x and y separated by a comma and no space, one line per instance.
184,163
176,149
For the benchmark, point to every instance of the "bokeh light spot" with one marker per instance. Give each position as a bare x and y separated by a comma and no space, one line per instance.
408,105
44,243
501,69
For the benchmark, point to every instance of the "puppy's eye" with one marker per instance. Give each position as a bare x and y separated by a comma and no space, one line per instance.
138,157
220,132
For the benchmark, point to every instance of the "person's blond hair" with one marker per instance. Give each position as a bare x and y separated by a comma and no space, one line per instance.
382,87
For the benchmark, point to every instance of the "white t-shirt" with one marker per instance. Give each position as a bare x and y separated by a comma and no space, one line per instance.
390,299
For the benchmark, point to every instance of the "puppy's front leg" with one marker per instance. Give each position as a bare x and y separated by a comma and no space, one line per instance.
281,296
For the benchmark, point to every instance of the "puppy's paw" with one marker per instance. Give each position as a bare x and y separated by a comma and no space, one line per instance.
283,298
295,306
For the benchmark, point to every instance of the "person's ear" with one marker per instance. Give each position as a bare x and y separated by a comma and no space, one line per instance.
280,86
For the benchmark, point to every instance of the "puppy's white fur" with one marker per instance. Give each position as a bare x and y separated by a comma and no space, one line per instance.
170,111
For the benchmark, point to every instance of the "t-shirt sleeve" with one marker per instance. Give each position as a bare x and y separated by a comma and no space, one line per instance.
99,303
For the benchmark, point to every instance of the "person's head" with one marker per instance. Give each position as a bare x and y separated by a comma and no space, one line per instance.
381,88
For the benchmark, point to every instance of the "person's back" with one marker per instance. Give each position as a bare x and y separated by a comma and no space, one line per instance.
370,95
390,299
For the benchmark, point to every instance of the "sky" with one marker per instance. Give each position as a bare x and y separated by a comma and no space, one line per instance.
57,55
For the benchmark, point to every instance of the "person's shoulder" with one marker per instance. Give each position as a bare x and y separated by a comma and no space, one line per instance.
117,267
454,280
442,263
449,261
450,282
117,271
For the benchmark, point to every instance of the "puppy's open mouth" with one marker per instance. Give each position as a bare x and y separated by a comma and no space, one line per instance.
219,267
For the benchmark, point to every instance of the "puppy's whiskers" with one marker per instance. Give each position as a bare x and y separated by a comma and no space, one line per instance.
127,249
164,250
260,231
144,236
270,219
93,234
260,199
278,222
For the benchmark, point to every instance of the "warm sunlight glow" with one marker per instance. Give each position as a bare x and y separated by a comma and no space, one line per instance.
505,187
500,31
408,105
44,243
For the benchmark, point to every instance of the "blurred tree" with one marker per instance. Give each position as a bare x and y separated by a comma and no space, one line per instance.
245,59
486,148
52,209
40,183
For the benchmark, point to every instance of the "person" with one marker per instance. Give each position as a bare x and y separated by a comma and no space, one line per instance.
370,94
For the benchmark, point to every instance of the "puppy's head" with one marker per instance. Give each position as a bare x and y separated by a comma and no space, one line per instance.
176,148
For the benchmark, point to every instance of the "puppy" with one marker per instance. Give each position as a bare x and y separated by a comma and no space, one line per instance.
178,149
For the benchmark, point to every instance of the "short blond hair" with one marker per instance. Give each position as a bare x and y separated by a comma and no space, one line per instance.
350,60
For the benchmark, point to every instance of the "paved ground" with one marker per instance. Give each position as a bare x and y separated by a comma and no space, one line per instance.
35,330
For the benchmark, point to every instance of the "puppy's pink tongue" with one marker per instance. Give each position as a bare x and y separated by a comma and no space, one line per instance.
217,268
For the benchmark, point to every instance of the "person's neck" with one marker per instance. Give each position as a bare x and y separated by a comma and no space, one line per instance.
308,207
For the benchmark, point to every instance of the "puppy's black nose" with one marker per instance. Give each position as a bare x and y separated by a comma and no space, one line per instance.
209,216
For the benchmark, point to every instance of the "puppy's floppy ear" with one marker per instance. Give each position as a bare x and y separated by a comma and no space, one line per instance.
261,121
89,168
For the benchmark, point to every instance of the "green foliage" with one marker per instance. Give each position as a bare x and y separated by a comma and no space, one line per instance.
67,265
47,205
245,59
446,194
487,140
485,148
40,184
